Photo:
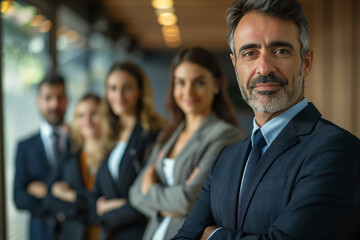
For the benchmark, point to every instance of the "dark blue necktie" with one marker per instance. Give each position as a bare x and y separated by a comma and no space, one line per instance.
250,171
56,146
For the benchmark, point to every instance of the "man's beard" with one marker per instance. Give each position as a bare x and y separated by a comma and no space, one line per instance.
271,103
54,117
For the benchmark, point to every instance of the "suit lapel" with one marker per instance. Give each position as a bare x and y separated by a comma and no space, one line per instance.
301,124
42,153
164,151
235,175
193,143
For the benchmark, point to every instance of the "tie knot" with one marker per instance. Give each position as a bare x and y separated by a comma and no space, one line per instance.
259,139
55,133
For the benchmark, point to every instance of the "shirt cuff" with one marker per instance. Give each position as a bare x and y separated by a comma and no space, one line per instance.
214,232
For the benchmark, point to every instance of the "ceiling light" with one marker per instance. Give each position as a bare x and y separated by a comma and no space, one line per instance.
173,44
167,18
170,30
162,4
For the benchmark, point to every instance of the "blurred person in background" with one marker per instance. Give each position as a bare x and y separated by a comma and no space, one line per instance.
203,123
131,125
75,179
40,155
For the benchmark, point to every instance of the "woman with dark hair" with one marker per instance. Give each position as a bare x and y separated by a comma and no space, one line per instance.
203,123
130,126
70,192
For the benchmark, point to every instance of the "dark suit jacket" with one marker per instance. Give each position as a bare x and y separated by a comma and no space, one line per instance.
125,222
307,186
32,164
76,214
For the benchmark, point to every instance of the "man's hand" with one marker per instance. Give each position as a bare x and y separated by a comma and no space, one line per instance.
208,231
149,178
37,189
63,191
103,205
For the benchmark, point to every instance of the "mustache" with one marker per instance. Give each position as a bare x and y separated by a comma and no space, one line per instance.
271,78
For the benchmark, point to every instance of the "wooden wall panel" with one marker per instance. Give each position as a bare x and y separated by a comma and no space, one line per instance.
342,74
333,84
356,66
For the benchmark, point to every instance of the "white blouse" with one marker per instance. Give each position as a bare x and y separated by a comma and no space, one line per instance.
115,158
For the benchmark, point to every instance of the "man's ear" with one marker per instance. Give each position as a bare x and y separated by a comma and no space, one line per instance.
233,60
308,60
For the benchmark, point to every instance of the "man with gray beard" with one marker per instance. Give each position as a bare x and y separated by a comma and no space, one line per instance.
298,175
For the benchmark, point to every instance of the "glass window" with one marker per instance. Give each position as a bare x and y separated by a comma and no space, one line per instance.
72,55
25,61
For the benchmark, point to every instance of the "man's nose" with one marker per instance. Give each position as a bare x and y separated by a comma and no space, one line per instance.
54,103
265,64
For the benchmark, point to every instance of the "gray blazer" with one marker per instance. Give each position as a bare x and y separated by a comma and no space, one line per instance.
200,151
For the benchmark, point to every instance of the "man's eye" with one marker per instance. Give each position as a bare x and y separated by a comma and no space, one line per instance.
282,51
249,54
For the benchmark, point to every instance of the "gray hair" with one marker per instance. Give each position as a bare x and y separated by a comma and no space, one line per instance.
284,9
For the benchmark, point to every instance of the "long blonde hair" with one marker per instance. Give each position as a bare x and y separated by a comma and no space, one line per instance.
93,161
146,112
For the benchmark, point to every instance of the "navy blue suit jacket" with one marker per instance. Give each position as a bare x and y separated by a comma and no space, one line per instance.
76,214
124,222
31,164
307,186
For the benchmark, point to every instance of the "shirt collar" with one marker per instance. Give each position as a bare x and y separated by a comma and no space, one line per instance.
46,130
272,128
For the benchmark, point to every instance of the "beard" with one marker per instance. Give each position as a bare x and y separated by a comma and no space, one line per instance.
54,117
271,101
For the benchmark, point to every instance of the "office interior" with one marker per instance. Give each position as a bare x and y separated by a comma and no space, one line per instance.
82,38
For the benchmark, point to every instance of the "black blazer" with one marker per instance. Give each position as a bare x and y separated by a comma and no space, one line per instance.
76,214
125,222
32,164
307,187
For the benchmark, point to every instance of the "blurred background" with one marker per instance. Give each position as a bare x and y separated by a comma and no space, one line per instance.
82,38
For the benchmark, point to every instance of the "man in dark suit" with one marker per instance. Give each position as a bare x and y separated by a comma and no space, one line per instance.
38,156
297,176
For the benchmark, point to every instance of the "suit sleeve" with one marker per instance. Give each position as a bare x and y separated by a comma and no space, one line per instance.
127,214
200,215
324,204
22,199
80,208
121,217
180,198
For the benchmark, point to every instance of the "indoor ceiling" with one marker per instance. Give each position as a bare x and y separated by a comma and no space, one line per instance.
201,22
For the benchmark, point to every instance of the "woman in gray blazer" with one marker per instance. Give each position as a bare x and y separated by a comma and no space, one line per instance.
203,123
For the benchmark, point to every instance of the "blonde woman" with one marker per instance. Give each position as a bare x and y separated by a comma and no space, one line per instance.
131,125
203,123
70,193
